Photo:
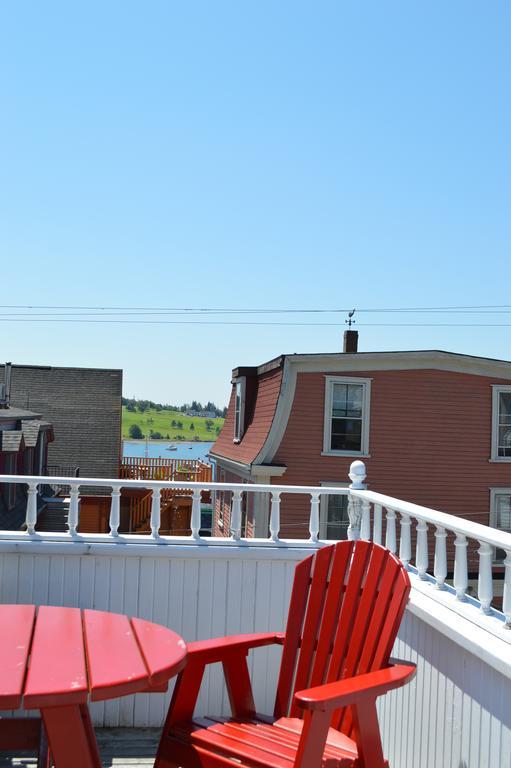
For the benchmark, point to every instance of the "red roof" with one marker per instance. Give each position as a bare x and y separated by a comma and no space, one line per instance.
260,404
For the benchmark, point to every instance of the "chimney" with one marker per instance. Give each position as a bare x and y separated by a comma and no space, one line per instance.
350,342
5,389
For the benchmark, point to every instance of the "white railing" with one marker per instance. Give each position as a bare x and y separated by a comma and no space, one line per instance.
156,487
389,521
373,516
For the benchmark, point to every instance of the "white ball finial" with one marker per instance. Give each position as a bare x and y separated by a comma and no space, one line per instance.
357,475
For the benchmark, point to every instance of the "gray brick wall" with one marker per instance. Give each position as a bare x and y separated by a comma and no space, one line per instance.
84,406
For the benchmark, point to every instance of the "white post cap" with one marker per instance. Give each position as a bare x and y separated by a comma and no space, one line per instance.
357,475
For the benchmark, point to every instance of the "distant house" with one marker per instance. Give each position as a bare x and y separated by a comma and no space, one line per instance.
432,427
24,442
84,408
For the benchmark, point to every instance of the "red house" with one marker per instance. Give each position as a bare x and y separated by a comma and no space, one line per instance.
432,427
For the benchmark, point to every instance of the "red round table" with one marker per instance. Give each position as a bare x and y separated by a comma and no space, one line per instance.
58,659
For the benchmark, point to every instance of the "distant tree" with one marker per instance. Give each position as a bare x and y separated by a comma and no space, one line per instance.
191,425
197,439
156,435
217,430
224,412
179,425
173,423
209,424
167,436
130,406
135,432
142,406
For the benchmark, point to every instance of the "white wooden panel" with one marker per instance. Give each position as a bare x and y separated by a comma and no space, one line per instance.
456,713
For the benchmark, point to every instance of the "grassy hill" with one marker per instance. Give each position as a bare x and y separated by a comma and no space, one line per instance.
161,421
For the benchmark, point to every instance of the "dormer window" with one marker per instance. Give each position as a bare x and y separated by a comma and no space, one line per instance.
239,409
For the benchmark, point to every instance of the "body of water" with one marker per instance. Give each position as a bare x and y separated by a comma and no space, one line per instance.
157,449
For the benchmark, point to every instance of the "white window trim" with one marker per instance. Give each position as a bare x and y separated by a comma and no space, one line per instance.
327,416
497,389
242,381
323,506
494,492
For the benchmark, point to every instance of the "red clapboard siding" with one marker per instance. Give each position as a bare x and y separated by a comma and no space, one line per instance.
429,442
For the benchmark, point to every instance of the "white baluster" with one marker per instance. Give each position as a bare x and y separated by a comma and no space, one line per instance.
357,475
365,525
405,541
115,510
506,600
155,513
196,514
275,515
485,582
421,549
74,505
440,564
390,532
314,518
31,518
354,514
460,567
236,515
377,524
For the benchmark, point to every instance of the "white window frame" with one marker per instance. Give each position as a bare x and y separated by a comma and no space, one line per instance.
494,492
497,389
241,383
327,417
323,507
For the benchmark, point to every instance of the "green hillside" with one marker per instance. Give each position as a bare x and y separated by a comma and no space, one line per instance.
161,422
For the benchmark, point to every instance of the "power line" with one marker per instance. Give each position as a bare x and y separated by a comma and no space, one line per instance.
468,309
246,322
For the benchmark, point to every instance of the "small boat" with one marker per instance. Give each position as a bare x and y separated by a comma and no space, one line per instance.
171,448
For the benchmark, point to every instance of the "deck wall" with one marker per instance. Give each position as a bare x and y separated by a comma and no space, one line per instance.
455,715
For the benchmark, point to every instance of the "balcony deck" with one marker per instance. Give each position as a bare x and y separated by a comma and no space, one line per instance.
119,748
456,712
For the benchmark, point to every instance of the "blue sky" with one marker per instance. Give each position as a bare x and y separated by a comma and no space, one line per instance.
251,155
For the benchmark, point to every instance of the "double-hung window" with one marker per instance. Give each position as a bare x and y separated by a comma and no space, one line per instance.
501,426
346,428
500,515
239,409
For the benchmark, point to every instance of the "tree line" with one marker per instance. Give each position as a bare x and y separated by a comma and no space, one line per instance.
133,404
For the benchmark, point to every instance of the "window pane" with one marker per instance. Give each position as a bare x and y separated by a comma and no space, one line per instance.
339,405
505,408
505,441
503,512
347,400
354,405
346,435
337,518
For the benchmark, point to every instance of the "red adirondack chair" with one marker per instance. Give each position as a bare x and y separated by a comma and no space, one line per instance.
346,606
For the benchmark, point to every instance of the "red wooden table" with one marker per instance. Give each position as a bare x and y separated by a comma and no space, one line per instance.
58,659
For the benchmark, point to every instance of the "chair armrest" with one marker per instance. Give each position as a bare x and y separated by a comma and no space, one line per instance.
332,696
211,651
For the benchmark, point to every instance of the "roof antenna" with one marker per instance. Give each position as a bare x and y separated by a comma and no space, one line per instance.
349,320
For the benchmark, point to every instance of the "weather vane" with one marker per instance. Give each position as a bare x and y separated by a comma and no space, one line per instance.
349,320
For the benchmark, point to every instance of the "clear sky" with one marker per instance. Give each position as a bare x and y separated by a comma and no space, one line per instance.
251,155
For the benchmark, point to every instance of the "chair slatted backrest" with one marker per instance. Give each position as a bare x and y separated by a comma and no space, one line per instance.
345,610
